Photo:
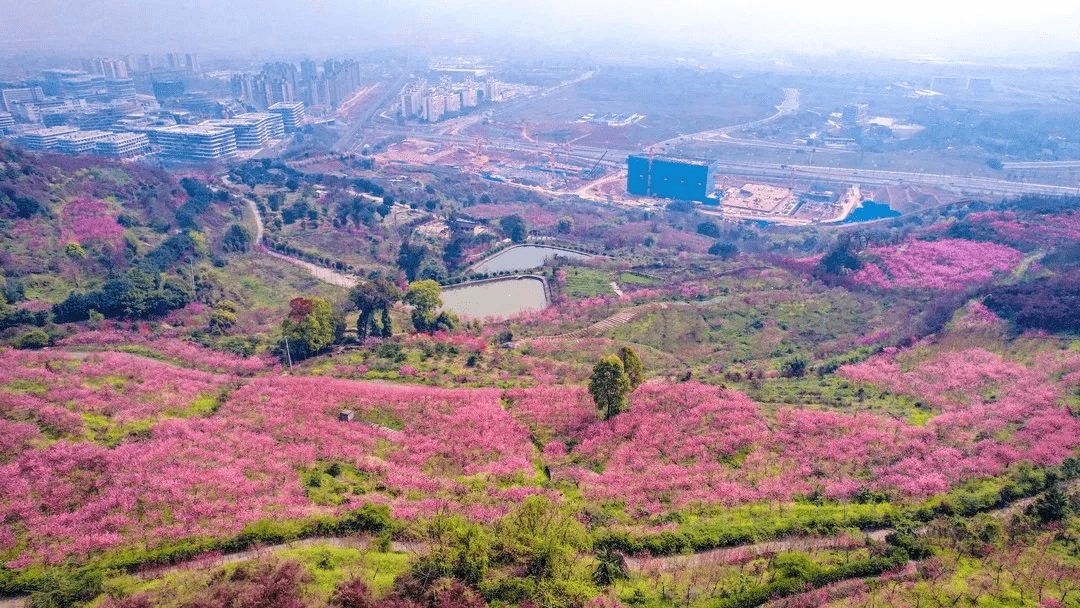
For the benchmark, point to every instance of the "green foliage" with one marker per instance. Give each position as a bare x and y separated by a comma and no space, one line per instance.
375,298
61,588
609,386
426,299
135,294
514,227
1051,507
223,317
310,326
237,239
542,537
793,368
727,251
610,567
457,549
840,259
33,339
747,524
632,365
586,283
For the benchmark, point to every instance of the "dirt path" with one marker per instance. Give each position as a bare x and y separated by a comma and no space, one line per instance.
742,553
323,274
620,318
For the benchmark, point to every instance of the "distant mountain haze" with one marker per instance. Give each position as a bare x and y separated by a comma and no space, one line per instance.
949,29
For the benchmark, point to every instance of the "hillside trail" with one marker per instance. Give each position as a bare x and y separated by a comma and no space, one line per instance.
323,274
741,553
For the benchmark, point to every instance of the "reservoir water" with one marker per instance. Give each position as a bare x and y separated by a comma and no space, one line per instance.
525,257
869,210
503,298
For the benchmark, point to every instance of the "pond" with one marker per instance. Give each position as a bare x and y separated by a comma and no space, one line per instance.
503,298
525,257
869,210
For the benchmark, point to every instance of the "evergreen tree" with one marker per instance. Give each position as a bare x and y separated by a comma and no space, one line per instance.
609,385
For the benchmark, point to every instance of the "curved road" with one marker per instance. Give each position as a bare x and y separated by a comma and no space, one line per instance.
323,274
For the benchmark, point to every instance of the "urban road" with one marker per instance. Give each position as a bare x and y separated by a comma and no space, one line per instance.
961,184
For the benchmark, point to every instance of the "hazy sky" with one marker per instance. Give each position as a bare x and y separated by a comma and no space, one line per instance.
940,27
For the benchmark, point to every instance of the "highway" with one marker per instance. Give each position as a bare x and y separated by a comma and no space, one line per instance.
963,184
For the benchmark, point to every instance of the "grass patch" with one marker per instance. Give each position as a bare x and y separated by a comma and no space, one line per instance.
21,386
587,283
331,566
636,278
110,433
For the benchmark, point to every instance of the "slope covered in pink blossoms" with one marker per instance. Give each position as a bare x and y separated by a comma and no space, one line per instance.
113,450
947,264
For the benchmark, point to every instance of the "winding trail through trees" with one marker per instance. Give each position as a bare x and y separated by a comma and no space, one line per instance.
323,274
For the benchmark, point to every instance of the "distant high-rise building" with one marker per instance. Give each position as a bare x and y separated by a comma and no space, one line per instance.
9,96
192,63
453,102
309,70
292,114
253,130
274,125
468,96
434,108
79,142
856,114
44,139
122,145
165,89
195,142
980,85
120,90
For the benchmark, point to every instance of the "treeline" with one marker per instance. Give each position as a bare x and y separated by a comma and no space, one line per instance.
139,292
1050,303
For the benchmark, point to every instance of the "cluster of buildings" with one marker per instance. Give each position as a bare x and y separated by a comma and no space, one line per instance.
208,140
328,84
100,110
447,99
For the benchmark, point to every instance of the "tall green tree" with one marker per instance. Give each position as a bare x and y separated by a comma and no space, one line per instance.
426,299
310,326
632,365
514,227
609,386
374,300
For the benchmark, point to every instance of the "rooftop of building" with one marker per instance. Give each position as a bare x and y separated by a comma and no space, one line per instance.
236,121
287,105
75,136
50,131
120,138
673,159
200,129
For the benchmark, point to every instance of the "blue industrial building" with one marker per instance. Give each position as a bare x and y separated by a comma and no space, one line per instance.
665,177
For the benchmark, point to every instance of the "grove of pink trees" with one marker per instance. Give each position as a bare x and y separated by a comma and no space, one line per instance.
176,470
947,264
